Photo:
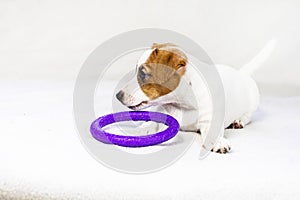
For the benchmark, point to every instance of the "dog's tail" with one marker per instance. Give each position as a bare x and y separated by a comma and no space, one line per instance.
260,58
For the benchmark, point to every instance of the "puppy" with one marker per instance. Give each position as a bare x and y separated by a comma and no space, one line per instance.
166,79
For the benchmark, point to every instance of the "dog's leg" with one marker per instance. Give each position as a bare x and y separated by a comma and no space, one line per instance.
153,127
171,110
222,145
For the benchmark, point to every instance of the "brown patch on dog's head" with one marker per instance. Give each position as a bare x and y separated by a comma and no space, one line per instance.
162,71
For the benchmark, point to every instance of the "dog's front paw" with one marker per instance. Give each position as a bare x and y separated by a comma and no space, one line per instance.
147,128
222,146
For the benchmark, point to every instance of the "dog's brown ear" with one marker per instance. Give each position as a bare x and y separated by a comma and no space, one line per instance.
181,67
155,52
182,63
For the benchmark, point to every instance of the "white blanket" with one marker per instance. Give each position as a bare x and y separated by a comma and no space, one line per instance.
41,155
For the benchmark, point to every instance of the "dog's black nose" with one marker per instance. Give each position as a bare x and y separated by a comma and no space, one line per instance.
120,95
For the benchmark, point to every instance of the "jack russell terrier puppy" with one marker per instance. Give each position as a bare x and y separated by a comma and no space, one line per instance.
166,79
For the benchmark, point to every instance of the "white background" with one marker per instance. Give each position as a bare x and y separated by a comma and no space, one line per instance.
42,47
51,39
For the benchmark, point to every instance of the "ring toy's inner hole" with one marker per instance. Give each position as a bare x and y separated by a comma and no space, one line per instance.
134,128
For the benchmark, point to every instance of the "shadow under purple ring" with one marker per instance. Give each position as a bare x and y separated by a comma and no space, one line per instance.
134,141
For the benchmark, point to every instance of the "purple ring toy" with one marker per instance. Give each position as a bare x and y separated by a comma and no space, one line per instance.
134,141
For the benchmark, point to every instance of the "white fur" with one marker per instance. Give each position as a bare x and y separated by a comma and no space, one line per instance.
133,95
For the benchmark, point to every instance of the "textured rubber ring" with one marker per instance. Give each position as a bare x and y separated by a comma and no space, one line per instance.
134,141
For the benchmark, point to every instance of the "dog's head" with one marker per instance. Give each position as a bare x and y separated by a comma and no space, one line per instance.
159,72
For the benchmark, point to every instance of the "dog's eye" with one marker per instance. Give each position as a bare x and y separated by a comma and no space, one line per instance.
142,73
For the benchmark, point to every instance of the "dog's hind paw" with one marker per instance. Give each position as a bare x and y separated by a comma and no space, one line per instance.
237,124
